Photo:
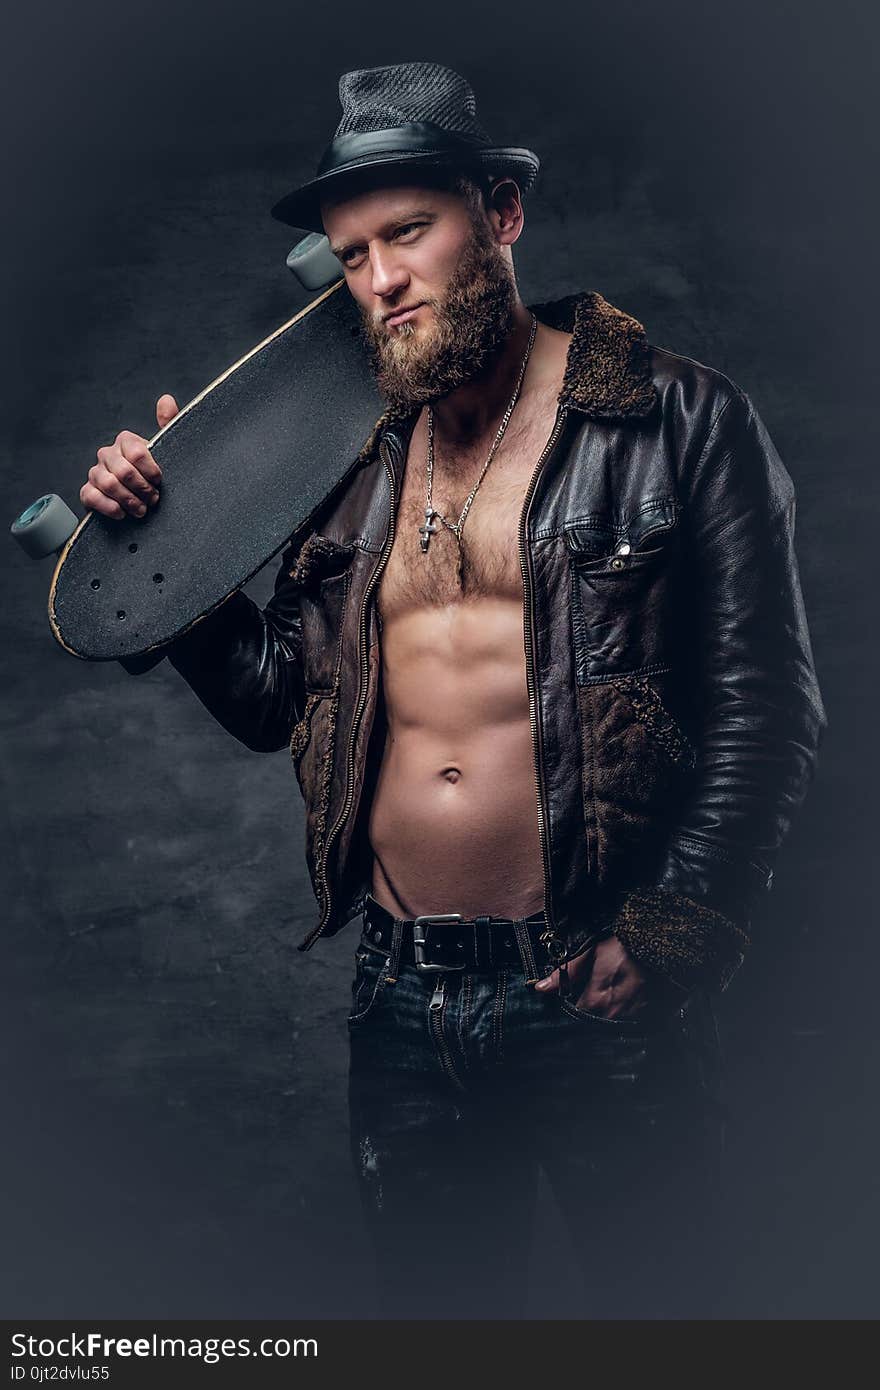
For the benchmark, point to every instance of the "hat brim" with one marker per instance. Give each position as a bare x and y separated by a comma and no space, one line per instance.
302,207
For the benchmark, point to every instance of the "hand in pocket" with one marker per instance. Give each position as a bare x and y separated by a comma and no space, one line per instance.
604,979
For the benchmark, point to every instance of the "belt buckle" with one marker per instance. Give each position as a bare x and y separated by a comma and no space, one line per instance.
420,938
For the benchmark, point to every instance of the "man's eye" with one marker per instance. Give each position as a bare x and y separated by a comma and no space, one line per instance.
352,251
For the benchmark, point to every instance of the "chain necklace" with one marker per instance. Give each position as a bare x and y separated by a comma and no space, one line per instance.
426,531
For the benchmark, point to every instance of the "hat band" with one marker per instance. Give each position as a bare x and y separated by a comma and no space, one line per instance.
420,136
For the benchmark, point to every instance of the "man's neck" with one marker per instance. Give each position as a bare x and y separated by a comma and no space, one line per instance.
475,409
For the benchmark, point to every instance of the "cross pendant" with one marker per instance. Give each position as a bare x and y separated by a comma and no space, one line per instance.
427,531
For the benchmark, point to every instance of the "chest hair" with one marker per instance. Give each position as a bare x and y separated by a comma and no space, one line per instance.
488,563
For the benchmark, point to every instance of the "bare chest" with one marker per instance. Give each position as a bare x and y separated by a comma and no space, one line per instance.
487,563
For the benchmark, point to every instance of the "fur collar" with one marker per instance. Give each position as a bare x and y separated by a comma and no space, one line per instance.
607,370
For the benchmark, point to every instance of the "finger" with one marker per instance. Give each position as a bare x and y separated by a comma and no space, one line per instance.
603,992
97,502
166,409
622,1003
105,481
598,999
549,983
134,450
131,462
579,968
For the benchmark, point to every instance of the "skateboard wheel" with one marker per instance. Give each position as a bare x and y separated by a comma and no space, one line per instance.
313,263
44,526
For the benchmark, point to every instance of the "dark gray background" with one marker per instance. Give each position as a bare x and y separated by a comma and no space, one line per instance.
176,1135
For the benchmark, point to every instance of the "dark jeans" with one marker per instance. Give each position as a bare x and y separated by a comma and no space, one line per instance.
463,1085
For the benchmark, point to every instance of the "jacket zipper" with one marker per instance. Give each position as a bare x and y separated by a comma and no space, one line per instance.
362,688
435,1013
529,642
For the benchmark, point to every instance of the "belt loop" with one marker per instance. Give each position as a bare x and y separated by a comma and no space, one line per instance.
393,963
526,954
483,943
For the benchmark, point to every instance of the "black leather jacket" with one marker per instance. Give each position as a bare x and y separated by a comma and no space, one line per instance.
675,710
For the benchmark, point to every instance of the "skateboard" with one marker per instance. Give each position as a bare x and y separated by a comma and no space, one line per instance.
245,465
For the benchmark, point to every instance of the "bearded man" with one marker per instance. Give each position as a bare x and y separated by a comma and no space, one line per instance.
545,674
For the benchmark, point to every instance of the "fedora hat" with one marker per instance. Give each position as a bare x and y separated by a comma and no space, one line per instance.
405,115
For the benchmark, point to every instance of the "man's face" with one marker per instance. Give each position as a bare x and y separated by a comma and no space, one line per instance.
402,247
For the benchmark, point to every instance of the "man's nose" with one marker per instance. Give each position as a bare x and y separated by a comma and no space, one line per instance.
387,273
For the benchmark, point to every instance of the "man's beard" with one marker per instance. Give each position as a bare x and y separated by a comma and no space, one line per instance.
470,324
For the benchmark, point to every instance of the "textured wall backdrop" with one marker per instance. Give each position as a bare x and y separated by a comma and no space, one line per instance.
176,1139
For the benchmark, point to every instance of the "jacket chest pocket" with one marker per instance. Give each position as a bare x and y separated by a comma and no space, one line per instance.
323,572
622,577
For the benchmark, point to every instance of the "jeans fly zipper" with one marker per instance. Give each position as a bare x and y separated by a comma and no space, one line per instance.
435,1013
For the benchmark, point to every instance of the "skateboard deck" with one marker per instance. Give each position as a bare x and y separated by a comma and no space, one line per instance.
245,464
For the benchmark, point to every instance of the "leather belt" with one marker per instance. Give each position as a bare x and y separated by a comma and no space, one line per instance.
448,941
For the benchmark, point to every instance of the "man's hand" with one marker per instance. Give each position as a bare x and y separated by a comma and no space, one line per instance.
615,985
125,480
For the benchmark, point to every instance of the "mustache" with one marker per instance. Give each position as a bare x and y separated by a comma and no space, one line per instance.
377,320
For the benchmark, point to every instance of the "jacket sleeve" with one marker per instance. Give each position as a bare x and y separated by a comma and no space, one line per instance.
762,718
245,663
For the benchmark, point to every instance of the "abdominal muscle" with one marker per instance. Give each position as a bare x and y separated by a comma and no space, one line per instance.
453,823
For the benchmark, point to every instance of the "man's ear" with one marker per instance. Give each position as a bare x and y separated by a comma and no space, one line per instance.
505,203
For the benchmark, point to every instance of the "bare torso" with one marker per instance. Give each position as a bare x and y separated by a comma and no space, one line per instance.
454,819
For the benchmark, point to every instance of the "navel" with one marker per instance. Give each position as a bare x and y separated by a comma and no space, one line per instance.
451,774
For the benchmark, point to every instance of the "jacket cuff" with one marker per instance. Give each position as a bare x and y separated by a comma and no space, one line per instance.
691,944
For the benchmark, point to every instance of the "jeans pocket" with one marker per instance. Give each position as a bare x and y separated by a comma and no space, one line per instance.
368,983
633,1023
